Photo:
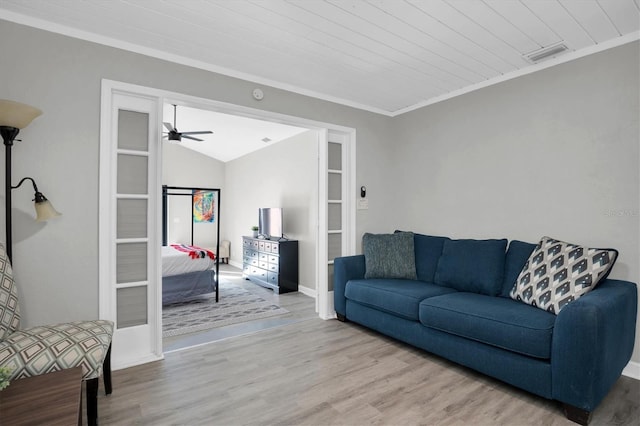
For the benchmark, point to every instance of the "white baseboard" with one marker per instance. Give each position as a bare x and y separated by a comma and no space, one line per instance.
126,363
307,291
632,370
236,264
331,312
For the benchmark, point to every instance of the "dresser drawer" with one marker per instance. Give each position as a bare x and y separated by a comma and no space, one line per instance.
263,257
273,259
254,244
246,242
272,278
263,265
273,267
275,248
261,245
259,273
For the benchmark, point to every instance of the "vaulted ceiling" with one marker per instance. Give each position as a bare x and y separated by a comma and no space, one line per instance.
385,56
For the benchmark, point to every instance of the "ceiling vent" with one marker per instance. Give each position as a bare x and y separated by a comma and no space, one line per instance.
545,53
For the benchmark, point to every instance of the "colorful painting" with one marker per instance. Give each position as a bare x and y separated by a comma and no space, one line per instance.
203,207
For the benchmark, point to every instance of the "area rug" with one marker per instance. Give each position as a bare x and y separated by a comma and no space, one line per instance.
235,305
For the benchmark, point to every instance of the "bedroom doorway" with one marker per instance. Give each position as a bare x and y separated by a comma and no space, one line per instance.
146,335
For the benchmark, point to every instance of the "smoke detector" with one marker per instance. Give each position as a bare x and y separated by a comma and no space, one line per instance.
546,52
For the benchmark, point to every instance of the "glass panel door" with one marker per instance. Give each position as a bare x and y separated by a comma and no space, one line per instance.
129,241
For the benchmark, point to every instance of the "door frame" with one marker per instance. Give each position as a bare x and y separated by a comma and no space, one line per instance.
324,299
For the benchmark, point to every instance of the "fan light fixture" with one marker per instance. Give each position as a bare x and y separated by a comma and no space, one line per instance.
173,135
15,116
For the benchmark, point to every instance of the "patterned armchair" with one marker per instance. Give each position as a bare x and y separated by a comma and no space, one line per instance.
44,349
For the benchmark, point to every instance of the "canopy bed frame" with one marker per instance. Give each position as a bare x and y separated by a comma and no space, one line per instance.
187,270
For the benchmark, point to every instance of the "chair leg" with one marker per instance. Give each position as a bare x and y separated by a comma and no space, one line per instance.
106,371
92,401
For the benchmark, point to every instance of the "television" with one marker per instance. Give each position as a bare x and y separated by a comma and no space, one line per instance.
270,222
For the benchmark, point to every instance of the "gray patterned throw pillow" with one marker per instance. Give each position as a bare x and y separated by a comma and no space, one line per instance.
389,255
558,273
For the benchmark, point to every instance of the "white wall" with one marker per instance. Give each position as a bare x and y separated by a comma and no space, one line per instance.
184,167
56,263
283,175
553,153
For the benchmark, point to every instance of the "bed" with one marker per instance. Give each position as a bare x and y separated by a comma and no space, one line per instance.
187,271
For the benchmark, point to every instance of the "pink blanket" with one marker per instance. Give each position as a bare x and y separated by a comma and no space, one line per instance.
194,252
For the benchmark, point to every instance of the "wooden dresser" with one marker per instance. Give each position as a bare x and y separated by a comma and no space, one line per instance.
271,263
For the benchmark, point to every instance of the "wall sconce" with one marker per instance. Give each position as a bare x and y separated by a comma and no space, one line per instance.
44,208
15,116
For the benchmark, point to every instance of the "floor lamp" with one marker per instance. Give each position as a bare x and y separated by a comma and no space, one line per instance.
15,116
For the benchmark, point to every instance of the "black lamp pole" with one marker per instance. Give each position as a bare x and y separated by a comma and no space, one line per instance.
8,134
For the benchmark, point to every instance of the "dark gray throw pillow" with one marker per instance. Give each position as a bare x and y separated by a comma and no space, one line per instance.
389,255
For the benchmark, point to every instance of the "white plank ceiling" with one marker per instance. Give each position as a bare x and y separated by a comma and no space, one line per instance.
385,56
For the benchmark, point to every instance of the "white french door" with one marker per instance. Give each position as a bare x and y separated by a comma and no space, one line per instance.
337,212
128,243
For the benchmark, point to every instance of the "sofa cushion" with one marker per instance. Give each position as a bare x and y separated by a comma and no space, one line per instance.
476,266
558,273
394,296
428,251
517,255
496,321
389,255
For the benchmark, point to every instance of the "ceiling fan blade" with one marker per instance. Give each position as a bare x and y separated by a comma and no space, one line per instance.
192,138
169,126
205,132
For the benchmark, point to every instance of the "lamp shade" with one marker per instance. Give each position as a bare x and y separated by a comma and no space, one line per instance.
45,211
15,114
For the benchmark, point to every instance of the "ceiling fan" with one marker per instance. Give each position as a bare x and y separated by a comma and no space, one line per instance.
174,135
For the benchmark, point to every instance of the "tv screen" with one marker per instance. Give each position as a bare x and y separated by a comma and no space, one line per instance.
270,222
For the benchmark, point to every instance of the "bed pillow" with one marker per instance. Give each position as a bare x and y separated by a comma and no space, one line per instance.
558,273
389,255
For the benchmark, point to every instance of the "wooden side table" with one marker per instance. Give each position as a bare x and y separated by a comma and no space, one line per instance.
51,399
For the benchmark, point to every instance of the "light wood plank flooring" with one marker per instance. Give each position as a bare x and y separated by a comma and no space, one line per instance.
316,372
300,308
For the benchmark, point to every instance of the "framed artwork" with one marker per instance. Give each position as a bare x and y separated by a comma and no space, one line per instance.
203,207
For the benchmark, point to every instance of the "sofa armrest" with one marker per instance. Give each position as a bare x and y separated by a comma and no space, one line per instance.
345,269
593,341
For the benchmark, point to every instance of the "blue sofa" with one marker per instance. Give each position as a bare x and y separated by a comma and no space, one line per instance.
459,308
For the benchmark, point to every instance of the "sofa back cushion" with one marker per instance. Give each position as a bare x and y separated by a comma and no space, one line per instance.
389,255
428,251
475,266
517,256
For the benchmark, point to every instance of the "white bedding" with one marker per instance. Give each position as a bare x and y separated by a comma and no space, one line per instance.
175,262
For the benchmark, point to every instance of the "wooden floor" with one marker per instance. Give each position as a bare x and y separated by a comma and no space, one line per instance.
300,308
315,372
